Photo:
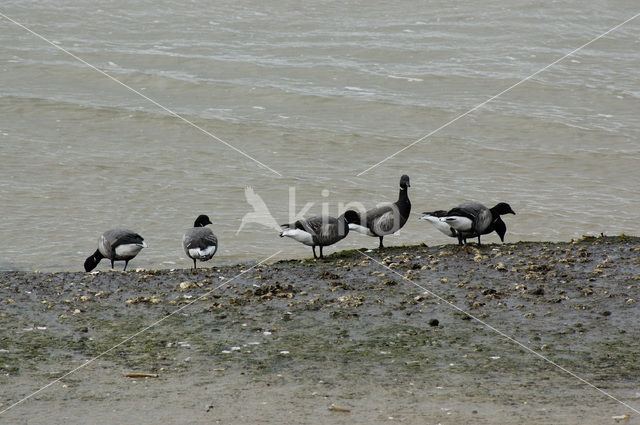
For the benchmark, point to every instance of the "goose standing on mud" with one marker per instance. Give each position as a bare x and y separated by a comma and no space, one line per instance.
386,219
199,242
116,245
433,217
472,219
319,230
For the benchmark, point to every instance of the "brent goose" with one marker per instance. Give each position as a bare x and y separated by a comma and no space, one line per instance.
386,219
319,230
116,245
473,219
199,242
433,217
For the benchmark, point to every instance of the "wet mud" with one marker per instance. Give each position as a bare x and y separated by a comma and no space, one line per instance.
411,334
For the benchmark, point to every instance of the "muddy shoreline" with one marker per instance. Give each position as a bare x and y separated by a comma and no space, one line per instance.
284,342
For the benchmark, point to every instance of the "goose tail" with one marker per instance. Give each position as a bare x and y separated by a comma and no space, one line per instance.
284,228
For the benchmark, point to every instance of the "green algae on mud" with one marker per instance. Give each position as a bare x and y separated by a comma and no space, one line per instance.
348,320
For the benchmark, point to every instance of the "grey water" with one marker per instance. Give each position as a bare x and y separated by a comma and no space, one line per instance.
318,92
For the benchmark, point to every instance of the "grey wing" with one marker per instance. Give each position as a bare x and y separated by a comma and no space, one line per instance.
208,239
125,236
104,245
467,209
113,238
199,237
382,220
374,214
387,223
472,208
483,221
333,231
477,212
325,230
317,225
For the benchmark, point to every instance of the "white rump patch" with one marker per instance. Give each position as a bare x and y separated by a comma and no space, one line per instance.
361,229
129,250
459,223
443,226
205,254
299,235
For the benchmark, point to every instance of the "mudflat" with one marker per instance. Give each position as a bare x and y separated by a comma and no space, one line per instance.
410,334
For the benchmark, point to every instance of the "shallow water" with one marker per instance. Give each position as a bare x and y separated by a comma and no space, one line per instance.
318,93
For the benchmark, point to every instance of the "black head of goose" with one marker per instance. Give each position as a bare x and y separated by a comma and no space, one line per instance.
497,224
385,219
319,230
473,219
502,208
199,242
116,245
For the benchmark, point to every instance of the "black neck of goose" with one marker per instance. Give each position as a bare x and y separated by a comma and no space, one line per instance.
351,216
92,261
500,227
98,255
495,211
403,195
404,205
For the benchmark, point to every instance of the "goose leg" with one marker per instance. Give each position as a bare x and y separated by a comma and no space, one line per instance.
194,264
381,246
126,263
314,251
321,252
478,240
112,260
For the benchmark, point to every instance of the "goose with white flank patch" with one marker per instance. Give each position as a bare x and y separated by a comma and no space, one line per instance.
433,217
116,245
472,219
385,219
319,230
199,242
